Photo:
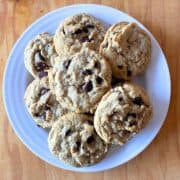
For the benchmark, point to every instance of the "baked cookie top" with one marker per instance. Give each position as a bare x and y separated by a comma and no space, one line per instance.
78,31
39,55
128,49
42,104
79,81
74,140
122,112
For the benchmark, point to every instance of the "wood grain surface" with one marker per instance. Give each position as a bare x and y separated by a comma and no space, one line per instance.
161,160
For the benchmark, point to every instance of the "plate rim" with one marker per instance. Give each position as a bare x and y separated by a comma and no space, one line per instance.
80,5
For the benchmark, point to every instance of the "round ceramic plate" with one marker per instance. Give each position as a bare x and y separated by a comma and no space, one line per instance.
156,80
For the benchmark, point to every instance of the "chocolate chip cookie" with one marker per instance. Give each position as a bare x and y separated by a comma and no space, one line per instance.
80,80
128,49
42,104
73,139
78,31
39,55
122,112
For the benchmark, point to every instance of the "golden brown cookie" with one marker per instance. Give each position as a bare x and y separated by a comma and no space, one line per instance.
80,80
74,140
77,31
128,49
122,112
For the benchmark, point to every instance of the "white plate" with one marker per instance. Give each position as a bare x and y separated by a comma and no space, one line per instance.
156,81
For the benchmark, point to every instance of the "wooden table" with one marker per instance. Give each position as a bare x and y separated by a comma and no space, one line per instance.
161,160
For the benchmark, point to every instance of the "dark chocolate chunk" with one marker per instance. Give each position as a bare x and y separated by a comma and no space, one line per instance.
68,132
87,72
41,115
129,73
133,123
43,90
88,113
78,31
63,31
90,139
85,30
115,81
90,26
87,86
47,107
85,39
67,63
90,122
120,99
132,114
78,144
99,80
97,65
40,66
43,74
126,132
120,66
138,101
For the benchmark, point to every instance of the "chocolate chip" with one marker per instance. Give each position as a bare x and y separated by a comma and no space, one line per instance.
90,139
43,74
38,125
126,133
40,66
88,113
63,31
115,81
87,72
90,122
41,115
132,114
120,99
78,31
97,65
99,80
133,123
42,91
85,39
66,64
47,107
129,72
68,132
76,147
90,26
85,30
129,115
78,144
87,86
138,101
120,66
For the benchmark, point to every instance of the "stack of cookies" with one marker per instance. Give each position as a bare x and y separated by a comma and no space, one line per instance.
82,90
